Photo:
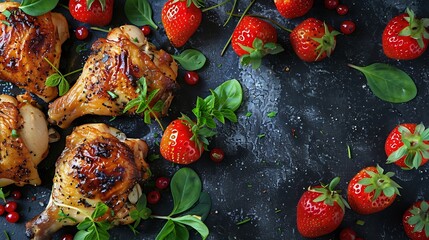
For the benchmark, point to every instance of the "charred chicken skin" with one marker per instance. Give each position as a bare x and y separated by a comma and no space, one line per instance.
109,78
25,42
98,164
24,140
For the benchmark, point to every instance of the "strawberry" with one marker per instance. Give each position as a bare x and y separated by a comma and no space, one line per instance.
416,221
313,40
405,36
178,143
408,146
94,12
320,210
293,8
254,38
371,191
181,19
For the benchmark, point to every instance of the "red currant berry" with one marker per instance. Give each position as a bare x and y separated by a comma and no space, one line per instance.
348,234
81,33
12,217
153,197
11,206
16,195
67,237
331,4
192,78
146,30
217,155
348,27
2,210
342,9
162,183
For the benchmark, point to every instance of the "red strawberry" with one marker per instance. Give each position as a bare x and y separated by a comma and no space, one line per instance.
94,12
320,210
371,190
179,144
405,36
181,18
415,221
408,145
313,40
293,8
254,38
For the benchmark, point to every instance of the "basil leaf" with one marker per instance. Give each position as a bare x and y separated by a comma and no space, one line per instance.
37,7
229,94
186,189
53,80
388,83
139,12
191,59
166,230
202,208
194,223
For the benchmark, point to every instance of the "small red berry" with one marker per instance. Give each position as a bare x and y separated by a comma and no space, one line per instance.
81,33
331,4
12,217
146,30
153,197
162,183
16,194
11,206
348,27
217,155
2,210
67,237
342,9
192,78
348,234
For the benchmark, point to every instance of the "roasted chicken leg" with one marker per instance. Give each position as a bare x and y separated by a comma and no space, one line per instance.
24,140
25,42
109,78
98,164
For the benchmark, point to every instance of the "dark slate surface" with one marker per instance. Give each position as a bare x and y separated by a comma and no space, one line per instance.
327,104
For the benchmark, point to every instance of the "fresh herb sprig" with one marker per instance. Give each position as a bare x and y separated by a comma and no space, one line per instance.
90,228
139,12
191,207
143,100
142,212
3,195
37,7
220,105
388,82
59,79
62,216
191,59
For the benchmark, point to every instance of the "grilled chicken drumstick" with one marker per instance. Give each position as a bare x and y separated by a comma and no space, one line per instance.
25,42
109,78
98,164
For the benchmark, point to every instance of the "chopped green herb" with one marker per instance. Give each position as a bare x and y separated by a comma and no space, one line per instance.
6,13
14,133
153,157
349,152
261,135
5,22
272,114
112,119
155,135
136,40
246,220
63,216
360,222
3,195
248,114
6,235
249,185
219,65
81,47
277,210
112,94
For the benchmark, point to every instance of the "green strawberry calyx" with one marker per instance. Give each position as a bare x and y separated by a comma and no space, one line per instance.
329,195
416,29
420,218
415,146
90,2
197,3
327,42
380,182
258,50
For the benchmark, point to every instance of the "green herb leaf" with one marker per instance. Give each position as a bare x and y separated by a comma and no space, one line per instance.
272,114
3,195
139,12
166,230
202,208
81,47
100,210
37,7
6,235
62,216
191,59
90,229
230,95
186,189
194,223
389,83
